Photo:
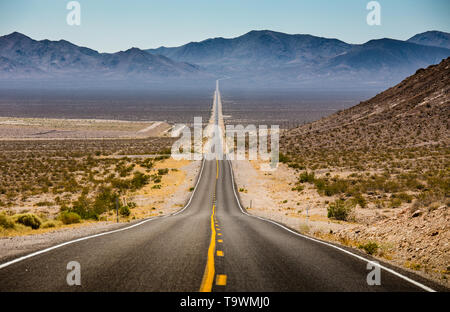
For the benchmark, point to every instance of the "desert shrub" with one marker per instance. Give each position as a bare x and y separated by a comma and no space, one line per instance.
139,180
83,207
163,171
296,166
124,170
125,211
6,222
156,186
155,178
68,217
306,177
132,205
370,248
44,203
147,163
29,219
283,158
358,199
121,184
298,188
403,197
104,201
48,224
395,202
330,188
339,210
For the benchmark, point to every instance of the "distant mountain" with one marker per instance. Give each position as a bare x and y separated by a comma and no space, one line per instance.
258,51
256,59
23,57
275,57
432,38
386,59
413,113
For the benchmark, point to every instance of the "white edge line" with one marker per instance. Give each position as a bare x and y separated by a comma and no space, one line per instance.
4,265
424,287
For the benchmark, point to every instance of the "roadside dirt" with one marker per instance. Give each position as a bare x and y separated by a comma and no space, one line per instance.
416,241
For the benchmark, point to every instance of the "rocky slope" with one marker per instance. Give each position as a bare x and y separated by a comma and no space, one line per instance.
413,113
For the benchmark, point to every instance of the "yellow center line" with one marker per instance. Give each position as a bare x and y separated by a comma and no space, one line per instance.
208,275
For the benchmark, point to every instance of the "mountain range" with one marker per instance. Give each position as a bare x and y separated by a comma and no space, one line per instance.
23,57
260,58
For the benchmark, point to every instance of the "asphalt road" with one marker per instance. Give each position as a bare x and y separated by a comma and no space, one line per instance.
211,245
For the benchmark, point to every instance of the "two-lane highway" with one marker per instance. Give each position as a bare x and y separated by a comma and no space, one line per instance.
210,245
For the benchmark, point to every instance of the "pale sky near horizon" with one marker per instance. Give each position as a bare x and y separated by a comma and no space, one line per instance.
114,25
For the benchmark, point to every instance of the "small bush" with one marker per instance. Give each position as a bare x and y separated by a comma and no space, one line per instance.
124,211
404,197
370,248
396,202
139,180
283,158
69,217
6,222
30,220
339,210
163,171
360,200
48,224
306,177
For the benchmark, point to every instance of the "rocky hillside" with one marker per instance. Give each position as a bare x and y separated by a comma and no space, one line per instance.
413,113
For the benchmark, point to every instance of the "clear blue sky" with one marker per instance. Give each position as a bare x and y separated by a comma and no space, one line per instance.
113,25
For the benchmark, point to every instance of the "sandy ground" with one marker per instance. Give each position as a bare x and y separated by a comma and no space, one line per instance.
271,196
174,191
172,196
420,244
51,128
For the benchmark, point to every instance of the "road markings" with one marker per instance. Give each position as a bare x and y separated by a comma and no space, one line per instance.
220,234
220,240
217,169
208,275
220,253
6,264
221,279
420,285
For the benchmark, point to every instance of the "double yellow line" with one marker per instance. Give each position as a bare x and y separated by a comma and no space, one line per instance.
208,275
